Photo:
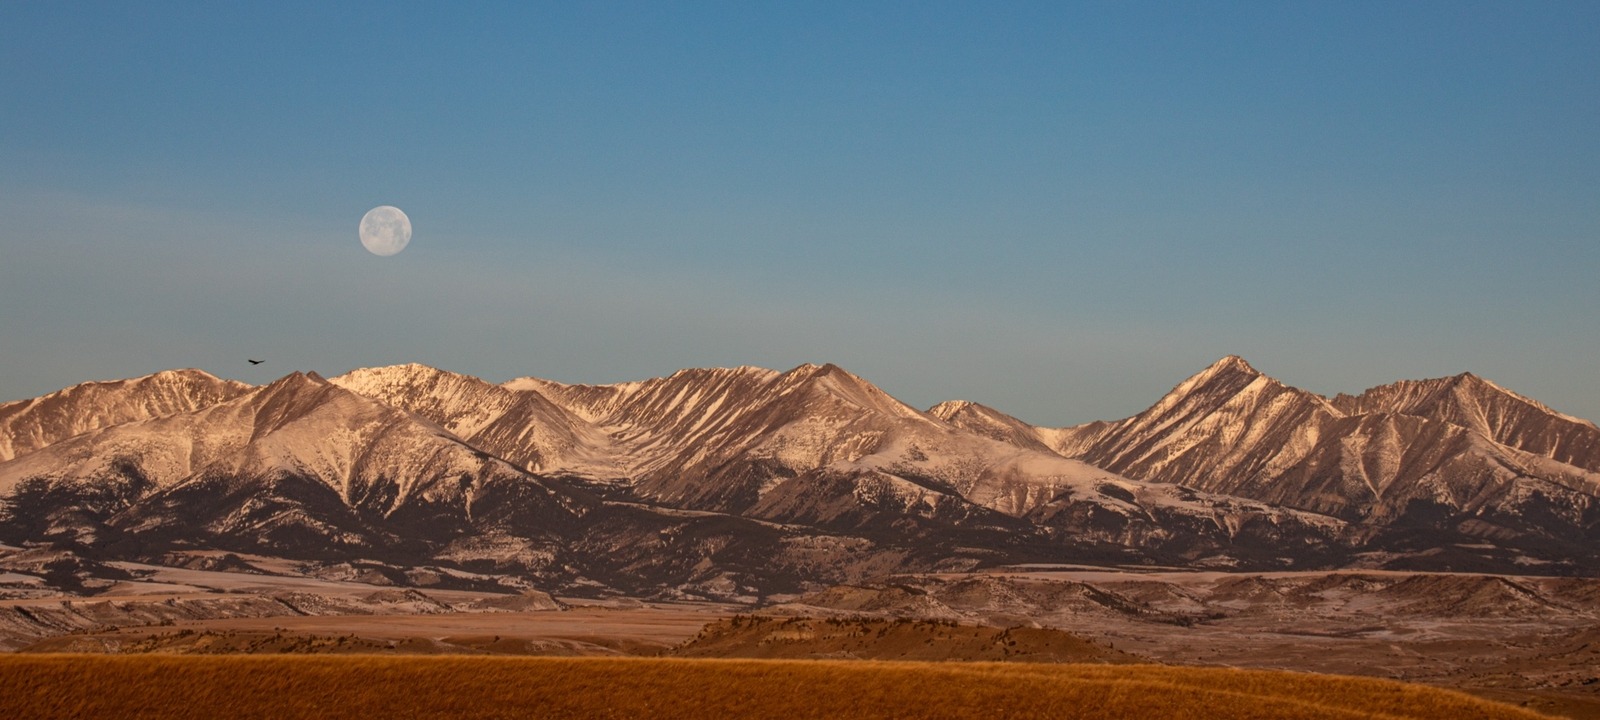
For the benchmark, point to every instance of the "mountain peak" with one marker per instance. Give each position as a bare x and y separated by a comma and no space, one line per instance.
951,408
1469,380
404,370
812,372
1480,404
296,387
989,422
180,373
1220,426
815,370
298,378
1232,363
162,377
1414,396
1222,378
26,425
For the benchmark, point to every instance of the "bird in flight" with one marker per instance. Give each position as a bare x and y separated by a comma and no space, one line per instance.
254,362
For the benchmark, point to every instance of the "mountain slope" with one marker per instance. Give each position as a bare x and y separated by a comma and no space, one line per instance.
818,446
734,482
291,467
991,423
1479,405
27,425
723,439
1226,428
1455,460
521,426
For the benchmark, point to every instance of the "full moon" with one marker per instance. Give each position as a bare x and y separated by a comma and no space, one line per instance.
385,230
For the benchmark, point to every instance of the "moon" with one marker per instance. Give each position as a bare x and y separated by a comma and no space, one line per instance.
385,230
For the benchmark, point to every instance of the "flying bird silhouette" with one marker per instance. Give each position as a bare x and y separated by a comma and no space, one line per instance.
254,362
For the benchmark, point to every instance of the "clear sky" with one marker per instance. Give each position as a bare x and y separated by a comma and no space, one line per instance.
1058,209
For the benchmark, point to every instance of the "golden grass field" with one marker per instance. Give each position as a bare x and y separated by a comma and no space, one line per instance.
245,687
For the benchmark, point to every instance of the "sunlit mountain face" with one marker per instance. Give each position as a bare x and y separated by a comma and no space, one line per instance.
743,482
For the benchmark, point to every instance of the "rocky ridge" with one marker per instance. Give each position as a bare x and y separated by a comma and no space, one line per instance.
745,481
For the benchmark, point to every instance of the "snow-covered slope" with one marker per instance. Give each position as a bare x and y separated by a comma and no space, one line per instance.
1459,454
291,464
27,425
723,439
818,445
687,478
1226,427
1479,405
815,445
520,425
1378,466
991,423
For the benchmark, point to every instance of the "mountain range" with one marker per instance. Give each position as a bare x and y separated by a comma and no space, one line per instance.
745,482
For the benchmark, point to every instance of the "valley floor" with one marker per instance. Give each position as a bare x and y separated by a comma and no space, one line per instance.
1530,641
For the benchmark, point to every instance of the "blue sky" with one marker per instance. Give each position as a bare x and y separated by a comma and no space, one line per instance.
1058,209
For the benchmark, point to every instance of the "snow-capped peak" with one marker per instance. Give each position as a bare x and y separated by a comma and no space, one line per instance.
28,425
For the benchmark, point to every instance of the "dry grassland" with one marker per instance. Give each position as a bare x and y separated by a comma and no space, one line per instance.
246,687
858,638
